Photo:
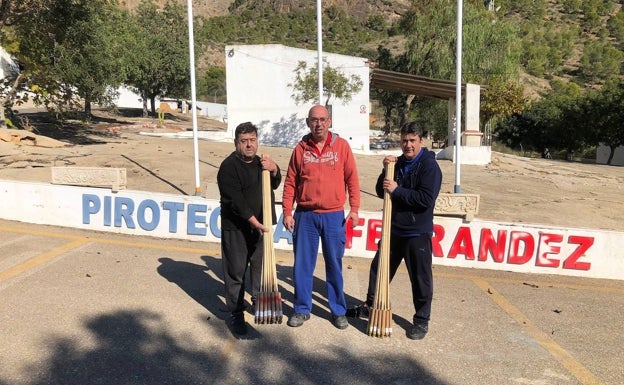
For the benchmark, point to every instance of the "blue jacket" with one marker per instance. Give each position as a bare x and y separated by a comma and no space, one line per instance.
413,201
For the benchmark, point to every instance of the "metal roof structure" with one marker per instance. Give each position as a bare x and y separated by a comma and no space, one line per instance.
413,84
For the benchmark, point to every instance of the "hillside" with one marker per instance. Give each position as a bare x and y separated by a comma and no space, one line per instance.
553,36
203,8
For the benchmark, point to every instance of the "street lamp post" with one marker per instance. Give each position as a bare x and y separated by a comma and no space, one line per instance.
319,39
458,97
189,6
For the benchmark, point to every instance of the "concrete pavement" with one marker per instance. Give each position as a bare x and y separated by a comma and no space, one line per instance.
82,307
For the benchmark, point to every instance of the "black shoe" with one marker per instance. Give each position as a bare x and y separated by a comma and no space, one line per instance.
251,308
239,326
298,319
418,331
360,311
340,321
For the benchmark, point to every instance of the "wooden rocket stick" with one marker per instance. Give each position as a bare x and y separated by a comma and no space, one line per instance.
380,320
269,297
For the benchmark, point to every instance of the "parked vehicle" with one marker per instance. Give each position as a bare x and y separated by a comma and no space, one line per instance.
380,144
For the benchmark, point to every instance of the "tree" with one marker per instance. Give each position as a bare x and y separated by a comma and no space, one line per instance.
551,122
605,111
335,84
11,12
490,45
91,55
601,61
160,64
500,99
212,84
391,101
72,48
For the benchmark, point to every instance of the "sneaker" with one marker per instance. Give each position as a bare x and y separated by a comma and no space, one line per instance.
360,311
340,321
418,331
298,319
239,326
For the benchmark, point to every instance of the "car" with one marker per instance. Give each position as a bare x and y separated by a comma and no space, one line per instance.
380,144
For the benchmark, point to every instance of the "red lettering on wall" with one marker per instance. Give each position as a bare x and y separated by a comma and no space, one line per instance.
542,255
438,236
489,245
584,243
351,231
520,241
462,244
373,234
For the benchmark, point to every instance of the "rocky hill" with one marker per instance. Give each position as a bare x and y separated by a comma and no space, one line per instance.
392,10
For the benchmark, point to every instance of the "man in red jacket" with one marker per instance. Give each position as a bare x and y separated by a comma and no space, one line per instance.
320,172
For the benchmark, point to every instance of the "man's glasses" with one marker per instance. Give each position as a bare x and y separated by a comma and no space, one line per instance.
317,120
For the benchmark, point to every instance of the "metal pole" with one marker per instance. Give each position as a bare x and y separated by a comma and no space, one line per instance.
458,97
319,39
189,7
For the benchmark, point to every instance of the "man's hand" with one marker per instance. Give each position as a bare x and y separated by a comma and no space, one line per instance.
268,164
389,185
289,223
353,215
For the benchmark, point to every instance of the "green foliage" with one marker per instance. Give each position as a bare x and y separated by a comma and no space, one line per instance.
605,110
600,62
343,33
531,10
76,50
212,86
557,121
391,102
335,84
70,49
430,32
616,27
546,49
160,59
500,99
432,114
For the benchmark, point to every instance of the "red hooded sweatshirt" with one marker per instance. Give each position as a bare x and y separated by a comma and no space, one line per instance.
320,182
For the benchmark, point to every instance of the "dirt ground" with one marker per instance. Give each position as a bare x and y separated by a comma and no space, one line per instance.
511,188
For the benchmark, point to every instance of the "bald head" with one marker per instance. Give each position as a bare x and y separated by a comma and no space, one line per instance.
319,122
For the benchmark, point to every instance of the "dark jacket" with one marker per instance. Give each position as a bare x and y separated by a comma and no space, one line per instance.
240,186
414,199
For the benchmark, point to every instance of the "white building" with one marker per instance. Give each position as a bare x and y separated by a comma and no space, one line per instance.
259,91
603,152
8,66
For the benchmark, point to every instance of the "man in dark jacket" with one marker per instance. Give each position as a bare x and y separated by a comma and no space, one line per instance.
414,190
240,185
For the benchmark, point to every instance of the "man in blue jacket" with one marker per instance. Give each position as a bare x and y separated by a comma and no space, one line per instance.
414,190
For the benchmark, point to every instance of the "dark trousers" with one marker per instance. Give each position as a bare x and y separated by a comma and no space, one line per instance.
418,258
238,251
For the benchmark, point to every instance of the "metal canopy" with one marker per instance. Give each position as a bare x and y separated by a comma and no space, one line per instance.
413,84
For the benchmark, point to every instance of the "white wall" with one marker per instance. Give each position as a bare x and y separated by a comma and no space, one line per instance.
258,78
7,64
481,244
603,152
128,98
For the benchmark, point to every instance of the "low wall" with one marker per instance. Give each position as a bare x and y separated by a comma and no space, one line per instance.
477,244
478,155
603,152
